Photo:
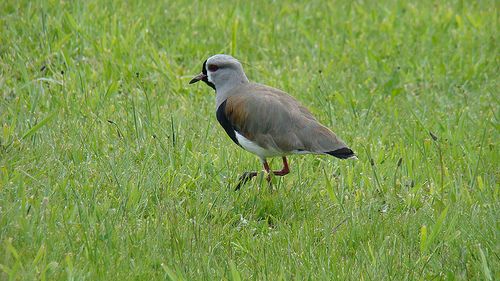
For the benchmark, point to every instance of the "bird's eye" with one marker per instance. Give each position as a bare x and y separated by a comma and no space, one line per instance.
212,67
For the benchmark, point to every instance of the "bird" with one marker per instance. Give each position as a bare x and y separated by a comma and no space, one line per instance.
264,120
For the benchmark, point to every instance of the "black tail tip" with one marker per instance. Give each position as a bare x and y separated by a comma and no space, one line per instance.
343,153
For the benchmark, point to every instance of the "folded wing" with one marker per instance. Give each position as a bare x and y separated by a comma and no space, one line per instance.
274,120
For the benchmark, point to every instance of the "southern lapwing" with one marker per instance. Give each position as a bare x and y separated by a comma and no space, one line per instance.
264,120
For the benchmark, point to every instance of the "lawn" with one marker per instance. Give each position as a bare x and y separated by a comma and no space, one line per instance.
113,167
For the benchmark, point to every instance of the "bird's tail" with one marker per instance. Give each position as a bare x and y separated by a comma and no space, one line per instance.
343,153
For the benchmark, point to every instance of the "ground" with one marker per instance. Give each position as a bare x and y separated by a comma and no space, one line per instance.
113,167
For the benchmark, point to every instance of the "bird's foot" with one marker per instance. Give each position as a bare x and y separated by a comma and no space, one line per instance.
245,178
249,175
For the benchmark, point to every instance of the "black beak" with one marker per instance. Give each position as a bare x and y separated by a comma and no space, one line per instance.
198,77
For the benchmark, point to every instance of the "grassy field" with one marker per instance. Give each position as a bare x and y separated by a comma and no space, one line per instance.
112,167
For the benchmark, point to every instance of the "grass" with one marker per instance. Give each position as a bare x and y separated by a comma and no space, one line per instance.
112,167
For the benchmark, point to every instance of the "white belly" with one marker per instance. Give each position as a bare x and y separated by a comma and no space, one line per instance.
256,149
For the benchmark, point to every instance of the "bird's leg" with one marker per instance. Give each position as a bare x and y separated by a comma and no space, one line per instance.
249,175
285,169
280,173
268,170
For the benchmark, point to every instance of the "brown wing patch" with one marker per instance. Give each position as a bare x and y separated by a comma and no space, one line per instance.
237,113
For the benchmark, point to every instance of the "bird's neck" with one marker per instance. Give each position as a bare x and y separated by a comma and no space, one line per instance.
228,89
230,85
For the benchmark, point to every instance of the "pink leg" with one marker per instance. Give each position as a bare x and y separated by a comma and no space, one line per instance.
285,169
280,173
268,170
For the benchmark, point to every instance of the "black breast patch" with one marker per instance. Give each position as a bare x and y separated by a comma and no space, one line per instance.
225,123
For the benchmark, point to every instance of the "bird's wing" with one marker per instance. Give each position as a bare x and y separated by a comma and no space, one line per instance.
275,120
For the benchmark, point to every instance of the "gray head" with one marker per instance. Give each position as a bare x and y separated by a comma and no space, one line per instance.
222,73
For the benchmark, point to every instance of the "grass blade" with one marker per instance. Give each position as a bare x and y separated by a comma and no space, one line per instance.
39,125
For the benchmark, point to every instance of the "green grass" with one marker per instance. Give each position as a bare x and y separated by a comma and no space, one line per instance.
112,167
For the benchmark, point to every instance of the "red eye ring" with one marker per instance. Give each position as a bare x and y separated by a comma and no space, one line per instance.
212,67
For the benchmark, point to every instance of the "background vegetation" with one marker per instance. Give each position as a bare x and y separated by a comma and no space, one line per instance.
112,167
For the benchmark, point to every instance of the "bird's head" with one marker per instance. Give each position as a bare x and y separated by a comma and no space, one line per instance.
221,71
